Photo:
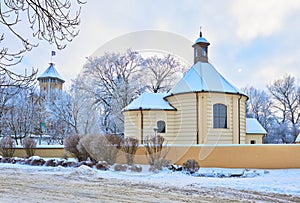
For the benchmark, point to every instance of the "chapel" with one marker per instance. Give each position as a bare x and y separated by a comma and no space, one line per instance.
202,108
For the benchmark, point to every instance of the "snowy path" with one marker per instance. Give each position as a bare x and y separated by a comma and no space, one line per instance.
20,183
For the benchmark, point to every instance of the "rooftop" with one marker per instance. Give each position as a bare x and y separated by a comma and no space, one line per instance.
203,77
149,101
201,39
298,138
254,127
51,72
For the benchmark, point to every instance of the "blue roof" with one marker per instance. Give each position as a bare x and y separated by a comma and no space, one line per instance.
204,77
201,39
149,101
51,73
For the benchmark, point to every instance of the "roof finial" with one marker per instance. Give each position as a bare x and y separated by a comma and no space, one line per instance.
200,32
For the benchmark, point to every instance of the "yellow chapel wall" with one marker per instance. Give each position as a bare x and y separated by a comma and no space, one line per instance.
184,123
185,126
181,125
236,131
258,138
134,128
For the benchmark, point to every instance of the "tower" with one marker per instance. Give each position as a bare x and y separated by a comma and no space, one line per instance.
201,49
50,80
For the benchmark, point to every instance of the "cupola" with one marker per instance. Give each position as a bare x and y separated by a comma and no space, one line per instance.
201,49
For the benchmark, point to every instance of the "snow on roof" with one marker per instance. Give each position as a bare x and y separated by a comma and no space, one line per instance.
147,101
51,73
298,138
254,127
204,77
201,39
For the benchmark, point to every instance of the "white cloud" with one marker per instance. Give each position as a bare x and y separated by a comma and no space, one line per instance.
261,18
230,26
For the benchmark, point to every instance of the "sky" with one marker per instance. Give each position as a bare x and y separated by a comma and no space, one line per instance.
252,43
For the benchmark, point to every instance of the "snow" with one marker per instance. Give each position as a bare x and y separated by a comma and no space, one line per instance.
254,127
204,77
285,181
51,73
298,138
44,146
149,101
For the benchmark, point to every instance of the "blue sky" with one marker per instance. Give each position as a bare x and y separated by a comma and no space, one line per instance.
252,42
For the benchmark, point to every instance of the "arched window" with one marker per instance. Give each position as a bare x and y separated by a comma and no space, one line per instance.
220,116
161,127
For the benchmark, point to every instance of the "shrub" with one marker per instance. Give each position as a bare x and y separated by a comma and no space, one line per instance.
191,166
7,146
29,145
102,165
72,145
102,148
129,147
120,167
136,168
155,152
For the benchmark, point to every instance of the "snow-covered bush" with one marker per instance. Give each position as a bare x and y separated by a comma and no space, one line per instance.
120,167
129,147
29,145
156,152
191,166
136,168
102,147
102,165
7,147
73,146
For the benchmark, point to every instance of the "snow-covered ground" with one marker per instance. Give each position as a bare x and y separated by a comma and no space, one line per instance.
262,184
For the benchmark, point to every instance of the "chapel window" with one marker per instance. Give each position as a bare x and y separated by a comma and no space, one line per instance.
220,116
161,127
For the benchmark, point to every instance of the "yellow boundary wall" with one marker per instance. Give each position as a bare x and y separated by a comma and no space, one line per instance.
223,156
57,152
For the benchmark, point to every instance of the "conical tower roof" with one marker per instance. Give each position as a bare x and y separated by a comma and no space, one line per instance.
203,77
51,72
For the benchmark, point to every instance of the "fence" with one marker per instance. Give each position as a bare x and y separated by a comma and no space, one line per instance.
223,156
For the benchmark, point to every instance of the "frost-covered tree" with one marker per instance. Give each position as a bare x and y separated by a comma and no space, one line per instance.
61,115
286,97
259,106
161,73
26,23
22,115
110,82
113,82
87,112
7,91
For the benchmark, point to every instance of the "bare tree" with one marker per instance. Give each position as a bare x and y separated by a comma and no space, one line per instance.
61,115
161,73
83,101
20,118
54,21
7,91
113,83
259,106
286,100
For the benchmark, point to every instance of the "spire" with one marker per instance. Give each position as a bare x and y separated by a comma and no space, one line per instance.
200,32
201,49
